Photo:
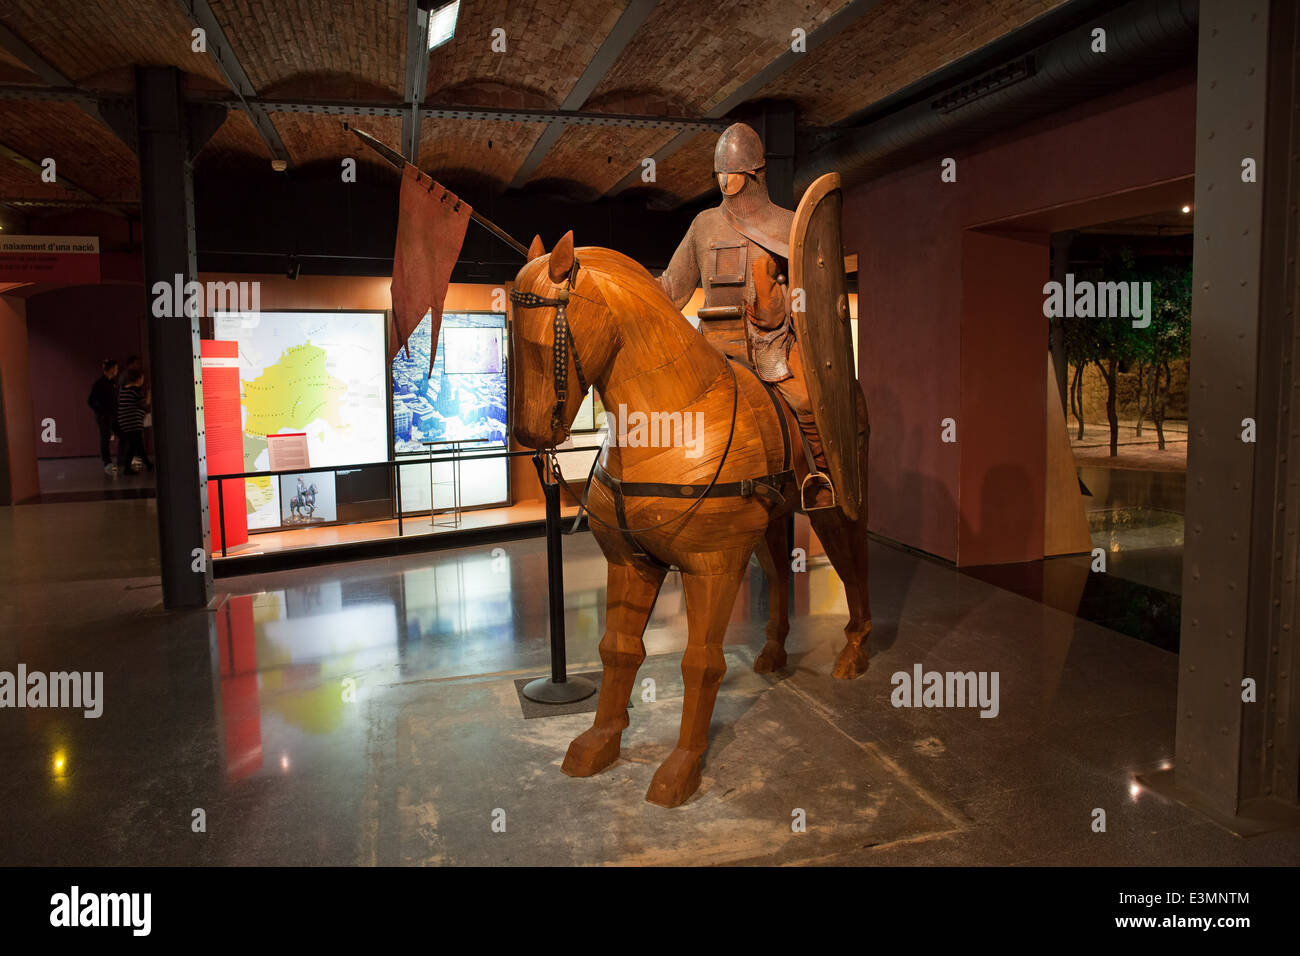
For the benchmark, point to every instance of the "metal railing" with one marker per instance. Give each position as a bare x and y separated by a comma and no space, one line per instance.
396,465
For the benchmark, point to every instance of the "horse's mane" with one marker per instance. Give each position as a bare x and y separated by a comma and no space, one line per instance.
619,276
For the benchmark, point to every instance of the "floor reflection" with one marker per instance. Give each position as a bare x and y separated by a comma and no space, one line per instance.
297,654
1136,518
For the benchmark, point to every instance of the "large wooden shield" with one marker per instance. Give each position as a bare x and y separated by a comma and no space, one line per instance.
824,332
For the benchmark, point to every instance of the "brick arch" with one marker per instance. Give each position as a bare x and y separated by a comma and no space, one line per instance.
491,93
563,188
328,85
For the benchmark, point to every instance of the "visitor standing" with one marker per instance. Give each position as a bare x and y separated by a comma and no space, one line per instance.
103,402
132,405
133,365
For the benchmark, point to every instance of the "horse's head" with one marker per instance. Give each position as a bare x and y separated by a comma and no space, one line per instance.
559,339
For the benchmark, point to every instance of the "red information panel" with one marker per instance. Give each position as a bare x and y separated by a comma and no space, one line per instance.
225,439
70,259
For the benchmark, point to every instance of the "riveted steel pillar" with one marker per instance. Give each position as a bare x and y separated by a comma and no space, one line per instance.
777,130
1234,757
167,220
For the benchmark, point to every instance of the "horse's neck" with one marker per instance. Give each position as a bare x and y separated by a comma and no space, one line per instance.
660,362
660,366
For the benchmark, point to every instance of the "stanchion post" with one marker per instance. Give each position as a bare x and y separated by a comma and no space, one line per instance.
559,688
221,516
397,471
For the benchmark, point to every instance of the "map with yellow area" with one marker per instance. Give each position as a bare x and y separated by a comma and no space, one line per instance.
293,392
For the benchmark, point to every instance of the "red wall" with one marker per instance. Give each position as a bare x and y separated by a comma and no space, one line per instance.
18,457
951,323
70,332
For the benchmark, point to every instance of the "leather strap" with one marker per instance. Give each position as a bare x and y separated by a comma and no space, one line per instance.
768,485
786,460
561,338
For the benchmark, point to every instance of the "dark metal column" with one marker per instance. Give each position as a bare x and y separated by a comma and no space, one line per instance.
167,219
1238,760
777,129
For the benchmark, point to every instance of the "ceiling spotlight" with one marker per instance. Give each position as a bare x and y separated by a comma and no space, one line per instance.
279,165
1187,209
442,24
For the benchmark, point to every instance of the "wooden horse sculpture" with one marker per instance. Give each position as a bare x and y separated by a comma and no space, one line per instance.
702,504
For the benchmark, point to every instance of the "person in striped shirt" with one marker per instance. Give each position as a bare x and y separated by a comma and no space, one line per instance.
132,404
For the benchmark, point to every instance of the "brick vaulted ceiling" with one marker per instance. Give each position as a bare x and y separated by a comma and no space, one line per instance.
679,59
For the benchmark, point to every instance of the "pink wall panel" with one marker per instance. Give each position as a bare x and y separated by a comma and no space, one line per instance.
18,457
70,331
934,334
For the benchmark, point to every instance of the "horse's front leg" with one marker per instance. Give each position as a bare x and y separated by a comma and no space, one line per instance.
709,600
631,597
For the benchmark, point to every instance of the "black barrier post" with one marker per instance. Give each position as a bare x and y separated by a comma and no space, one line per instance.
221,513
398,472
559,688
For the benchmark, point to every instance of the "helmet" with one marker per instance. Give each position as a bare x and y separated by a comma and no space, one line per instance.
739,150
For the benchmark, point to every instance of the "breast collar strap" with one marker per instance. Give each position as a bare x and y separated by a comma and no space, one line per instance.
563,335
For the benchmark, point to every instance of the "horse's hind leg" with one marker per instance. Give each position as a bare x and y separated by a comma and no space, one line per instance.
631,597
846,545
709,600
774,556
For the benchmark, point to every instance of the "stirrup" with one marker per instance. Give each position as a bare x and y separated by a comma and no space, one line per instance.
815,476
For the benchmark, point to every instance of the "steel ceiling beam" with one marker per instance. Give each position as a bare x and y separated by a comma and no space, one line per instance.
629,22
223,55
33,167
56,78
837,23
394,108
489,113
417,74
29,58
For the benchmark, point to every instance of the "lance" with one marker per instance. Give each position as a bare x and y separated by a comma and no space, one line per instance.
399,161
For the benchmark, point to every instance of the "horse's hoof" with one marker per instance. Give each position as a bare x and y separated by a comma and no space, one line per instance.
591,752
771,658
851,663
676,779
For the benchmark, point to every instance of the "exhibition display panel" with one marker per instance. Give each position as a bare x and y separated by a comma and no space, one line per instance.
455,394
319,373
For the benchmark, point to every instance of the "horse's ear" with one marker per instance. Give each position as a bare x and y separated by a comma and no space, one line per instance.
536,248
561,257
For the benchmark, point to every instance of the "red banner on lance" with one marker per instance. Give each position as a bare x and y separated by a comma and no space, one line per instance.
430,232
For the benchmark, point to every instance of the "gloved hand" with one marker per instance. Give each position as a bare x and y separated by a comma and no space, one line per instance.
768,310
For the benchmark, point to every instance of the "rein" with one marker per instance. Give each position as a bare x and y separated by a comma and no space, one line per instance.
627,532
561,346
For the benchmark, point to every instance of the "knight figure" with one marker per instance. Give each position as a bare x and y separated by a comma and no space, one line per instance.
739,250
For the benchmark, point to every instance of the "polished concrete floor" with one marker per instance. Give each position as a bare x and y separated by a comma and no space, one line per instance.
367,713
83,479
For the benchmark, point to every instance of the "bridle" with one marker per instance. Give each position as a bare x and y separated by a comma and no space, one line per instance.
560,345
560,348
